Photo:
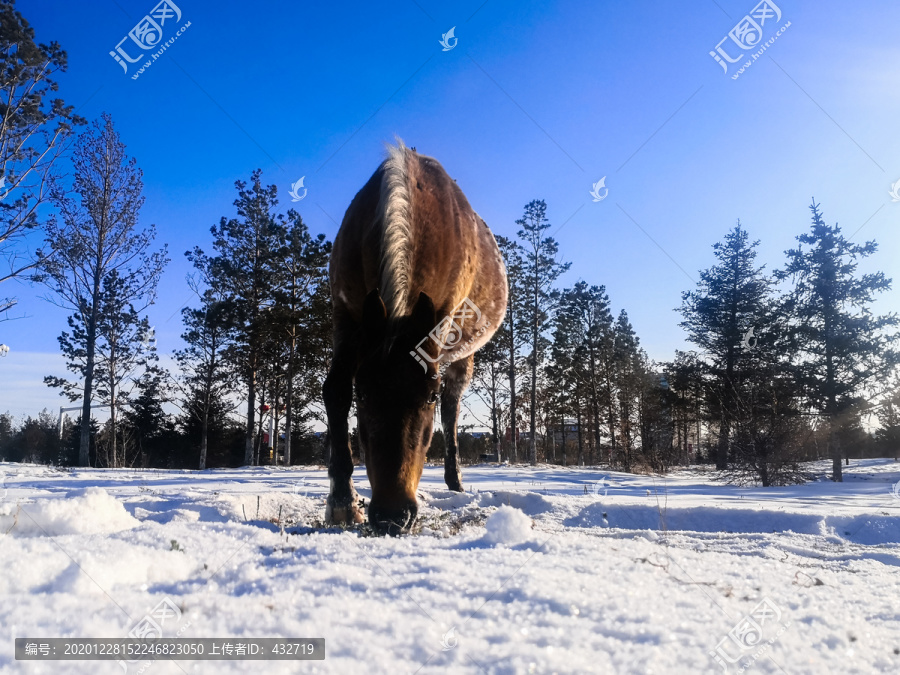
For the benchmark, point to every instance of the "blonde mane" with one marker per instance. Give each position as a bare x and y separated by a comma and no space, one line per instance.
395,212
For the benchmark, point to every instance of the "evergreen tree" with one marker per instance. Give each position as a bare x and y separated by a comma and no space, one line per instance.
125,348
732,298
146,420
122,349
655,419
302,319
513,333
565,368
841,347
489,372
99,236
34,129
688,385
630,376
206,377
585,341
540,272
888,413
242,270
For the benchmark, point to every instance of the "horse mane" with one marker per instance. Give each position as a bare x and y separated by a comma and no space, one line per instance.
395,213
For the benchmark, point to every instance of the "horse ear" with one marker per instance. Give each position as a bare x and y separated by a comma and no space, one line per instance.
374,318
424,316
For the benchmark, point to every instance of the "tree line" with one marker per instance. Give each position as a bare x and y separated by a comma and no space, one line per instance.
786,365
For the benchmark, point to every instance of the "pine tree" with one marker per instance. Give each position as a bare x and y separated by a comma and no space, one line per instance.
512,334
841,347
565,367
242,270
732,298
99,236
630,375
122,351
146,420
540,272
34,130
206,377
302,319
655,418
583,320
888,413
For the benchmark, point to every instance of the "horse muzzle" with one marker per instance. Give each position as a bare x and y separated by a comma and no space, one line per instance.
393,521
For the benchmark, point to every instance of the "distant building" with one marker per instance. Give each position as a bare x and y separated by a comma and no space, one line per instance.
568,426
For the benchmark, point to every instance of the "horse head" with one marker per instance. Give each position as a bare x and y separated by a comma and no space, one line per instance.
396,392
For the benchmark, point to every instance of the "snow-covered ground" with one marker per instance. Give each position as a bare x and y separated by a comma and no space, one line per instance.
531,570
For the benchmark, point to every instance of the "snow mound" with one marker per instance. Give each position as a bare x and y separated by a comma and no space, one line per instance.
530,503
89,511
508,526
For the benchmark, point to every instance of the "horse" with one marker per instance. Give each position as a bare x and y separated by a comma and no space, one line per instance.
418,285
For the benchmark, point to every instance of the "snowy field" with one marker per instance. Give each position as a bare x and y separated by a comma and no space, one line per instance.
532,570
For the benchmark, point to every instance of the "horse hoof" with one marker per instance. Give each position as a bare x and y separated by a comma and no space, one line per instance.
454,484
343,514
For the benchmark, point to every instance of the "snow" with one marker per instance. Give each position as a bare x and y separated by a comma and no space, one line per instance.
541,569
89,511
507,525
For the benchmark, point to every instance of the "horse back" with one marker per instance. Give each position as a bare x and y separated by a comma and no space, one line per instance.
409,230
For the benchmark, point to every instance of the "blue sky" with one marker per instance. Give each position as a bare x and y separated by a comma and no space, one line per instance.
536,100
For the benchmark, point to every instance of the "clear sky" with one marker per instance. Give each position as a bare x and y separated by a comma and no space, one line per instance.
536,100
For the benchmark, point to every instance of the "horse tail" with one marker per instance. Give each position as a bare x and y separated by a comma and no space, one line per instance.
395,213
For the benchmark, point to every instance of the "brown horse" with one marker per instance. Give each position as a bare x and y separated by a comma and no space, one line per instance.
417,285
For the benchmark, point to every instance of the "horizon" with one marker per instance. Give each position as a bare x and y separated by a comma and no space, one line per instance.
518,109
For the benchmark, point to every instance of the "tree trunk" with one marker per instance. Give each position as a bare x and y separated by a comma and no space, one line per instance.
204,420
289,405
85,441
495,425
834,449
580,441
251,416
204,435
534,360
112,427
512,404
84,458
533,443
722,449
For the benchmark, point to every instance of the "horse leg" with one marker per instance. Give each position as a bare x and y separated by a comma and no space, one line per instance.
456,381
342,504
